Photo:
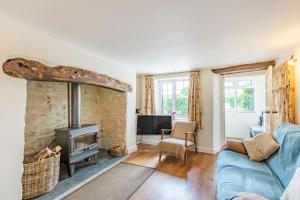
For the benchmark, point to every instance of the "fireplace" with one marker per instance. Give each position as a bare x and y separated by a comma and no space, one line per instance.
78,142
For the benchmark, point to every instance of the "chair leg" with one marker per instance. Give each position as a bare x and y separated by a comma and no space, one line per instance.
196,150
159,156
185,157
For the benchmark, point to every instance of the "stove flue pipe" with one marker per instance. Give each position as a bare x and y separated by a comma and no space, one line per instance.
75,105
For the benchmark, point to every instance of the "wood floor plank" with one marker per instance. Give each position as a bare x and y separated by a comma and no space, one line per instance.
173,180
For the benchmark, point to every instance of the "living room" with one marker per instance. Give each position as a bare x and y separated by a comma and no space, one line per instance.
148,83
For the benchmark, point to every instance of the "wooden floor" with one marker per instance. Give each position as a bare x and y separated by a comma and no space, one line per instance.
172,180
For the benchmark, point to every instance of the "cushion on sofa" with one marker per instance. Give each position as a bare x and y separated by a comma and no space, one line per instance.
236,173
286,160
236,146
261,146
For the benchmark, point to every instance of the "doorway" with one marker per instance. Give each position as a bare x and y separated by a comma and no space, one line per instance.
244,99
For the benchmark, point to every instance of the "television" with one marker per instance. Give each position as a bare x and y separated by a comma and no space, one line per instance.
152,124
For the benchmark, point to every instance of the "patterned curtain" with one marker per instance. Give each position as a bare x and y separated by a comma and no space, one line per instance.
283,91
195,101
149,96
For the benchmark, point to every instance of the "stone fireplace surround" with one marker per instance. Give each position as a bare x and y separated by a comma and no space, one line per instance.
104,102
47,110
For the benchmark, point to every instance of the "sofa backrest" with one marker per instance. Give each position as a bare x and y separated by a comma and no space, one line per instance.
285,161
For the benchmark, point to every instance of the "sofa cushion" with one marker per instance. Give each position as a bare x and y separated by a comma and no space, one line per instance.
236,173
285,161
261,146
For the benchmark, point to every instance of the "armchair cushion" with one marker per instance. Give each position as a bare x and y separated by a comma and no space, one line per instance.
173,146
181,127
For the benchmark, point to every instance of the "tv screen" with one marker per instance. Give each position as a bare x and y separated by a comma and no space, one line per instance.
152,124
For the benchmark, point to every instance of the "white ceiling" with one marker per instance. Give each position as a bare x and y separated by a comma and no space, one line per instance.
156,36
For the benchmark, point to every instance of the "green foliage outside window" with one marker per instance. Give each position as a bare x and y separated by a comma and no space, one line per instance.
167,105
230,102
182,103
245,99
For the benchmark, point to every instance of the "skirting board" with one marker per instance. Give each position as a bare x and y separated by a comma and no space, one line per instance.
131,149
209,150
153,142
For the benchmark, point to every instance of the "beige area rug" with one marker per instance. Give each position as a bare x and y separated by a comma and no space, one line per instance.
119,183
146,155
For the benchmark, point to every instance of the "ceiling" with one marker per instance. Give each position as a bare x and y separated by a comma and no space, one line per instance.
155,36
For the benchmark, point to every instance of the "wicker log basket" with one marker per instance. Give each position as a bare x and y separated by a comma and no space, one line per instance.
118,151
41,172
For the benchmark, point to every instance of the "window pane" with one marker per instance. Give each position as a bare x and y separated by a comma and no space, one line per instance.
229,99
167,104
245,83
182,106
175,102
186,84
179,85
245,99
228,83
182,101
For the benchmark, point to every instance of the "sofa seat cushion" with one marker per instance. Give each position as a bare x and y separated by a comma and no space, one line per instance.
236,173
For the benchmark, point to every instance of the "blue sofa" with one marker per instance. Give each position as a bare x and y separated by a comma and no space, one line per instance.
236,173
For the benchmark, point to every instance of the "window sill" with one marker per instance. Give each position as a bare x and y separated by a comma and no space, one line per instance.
240,111
181,118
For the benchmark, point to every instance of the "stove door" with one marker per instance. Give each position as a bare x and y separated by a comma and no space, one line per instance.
82,142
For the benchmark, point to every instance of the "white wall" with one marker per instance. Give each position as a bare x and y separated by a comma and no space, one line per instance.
20,40
218,132
237,124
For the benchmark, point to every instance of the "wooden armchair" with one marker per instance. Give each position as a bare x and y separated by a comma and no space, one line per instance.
183,137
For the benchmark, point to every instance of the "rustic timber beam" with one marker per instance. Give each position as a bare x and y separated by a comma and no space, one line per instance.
259,66
36,71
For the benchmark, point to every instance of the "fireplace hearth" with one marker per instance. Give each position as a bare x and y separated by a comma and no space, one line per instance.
78,142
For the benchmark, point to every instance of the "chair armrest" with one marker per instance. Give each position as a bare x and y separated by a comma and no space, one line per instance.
162,131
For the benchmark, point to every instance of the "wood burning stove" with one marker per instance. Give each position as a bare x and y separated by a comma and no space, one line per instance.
78,142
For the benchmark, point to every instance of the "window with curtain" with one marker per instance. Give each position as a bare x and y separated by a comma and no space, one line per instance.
173,96
239,95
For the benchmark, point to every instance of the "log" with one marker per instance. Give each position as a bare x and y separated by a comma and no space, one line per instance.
36,71
259,66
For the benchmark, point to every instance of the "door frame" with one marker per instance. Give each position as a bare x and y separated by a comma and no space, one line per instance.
222,98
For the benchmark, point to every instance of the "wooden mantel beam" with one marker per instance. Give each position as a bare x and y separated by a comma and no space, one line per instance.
36,71
259,66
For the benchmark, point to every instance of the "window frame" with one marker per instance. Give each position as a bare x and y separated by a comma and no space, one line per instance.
173,81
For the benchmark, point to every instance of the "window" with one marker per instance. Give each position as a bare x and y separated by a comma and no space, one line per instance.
229,99
173,96
239,95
